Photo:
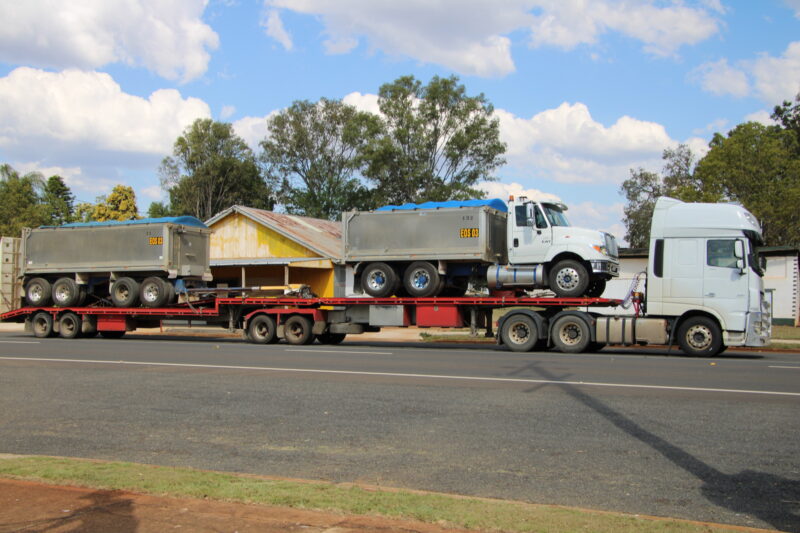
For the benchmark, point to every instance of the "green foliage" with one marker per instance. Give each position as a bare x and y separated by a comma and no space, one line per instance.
788,116
759,167
643,188
438,143
211,170
313,150
120,204
59,201
20,204
158,210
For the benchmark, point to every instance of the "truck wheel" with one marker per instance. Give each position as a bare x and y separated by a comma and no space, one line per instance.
261,330
154,292
124,292
66,292
69,325
298,330
37,292
571,334
422,280
519,333
331,338
596,288
700,336
569,279
42,325
378,280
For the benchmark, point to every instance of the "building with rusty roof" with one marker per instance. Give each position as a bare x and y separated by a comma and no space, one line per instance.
252,247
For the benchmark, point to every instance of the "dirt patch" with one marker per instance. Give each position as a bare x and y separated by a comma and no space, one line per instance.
35,507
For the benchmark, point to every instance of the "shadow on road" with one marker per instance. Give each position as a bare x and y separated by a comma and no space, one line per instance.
771,498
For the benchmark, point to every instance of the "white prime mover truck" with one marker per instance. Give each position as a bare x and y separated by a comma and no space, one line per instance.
703,290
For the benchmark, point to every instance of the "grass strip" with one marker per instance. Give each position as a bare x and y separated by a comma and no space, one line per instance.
470,513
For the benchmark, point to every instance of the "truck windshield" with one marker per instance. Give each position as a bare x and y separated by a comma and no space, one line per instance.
754,259
555,215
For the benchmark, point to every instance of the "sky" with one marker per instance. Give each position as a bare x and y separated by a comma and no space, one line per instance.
97,91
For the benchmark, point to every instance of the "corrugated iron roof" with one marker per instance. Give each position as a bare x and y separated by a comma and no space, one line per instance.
321,236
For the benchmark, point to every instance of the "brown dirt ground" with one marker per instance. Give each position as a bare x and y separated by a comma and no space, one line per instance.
37,508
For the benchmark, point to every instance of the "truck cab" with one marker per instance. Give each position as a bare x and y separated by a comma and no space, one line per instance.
704,269
576,261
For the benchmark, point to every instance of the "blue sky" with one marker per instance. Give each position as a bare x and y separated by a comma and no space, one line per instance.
98,90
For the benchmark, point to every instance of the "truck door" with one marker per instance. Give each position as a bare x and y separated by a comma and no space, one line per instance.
531,235
725,283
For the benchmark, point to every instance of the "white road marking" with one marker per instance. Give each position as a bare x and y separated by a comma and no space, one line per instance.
792,367
404,375
336,351
20,342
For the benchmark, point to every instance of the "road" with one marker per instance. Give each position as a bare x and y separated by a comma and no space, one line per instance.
641,432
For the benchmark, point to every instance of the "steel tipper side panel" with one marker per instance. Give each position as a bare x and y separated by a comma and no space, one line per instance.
474,234
136,246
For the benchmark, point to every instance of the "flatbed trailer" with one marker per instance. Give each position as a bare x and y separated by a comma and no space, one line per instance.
265,320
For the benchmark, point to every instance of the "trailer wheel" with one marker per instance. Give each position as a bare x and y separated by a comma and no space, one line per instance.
69,325
422,280
261,329
298,330
125,292
378,280
596,288
154,292
331,338
569,279
37,292
519,333
571,334
112,334
42,325
700,336
66,292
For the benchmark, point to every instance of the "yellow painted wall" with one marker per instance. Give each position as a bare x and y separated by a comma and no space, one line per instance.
238,237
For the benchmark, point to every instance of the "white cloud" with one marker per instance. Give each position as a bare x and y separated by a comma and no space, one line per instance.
363,102
82,115
598,216
273,26
712,127
772,79
568,23
227,112
253,129
764,117
470,36
497,189
720,78
167,37
795,5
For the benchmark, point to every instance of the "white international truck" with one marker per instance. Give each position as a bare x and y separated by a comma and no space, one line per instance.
438,248
703,290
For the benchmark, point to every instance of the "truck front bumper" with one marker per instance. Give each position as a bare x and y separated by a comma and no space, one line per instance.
610,268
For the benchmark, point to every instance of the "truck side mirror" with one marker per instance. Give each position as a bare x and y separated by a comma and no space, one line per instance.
738,249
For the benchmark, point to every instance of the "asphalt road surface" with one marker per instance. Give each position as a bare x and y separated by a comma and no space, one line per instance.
635,431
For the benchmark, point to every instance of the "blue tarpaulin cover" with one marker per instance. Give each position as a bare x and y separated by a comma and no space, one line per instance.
495,203
185,220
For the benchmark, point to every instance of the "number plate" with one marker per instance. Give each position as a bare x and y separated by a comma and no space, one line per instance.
468,233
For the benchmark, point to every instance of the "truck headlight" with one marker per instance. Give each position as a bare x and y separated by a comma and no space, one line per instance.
602,249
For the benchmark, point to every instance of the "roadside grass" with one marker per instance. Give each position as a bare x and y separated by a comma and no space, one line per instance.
441,509
785,333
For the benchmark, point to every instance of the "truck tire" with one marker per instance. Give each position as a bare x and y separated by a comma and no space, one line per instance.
38,292
261,330
331,338
378,280
519,333
124,292
66,293
298,330
596,288
571,334
154,292
700,336
422,280
569,279
42,324
69,325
